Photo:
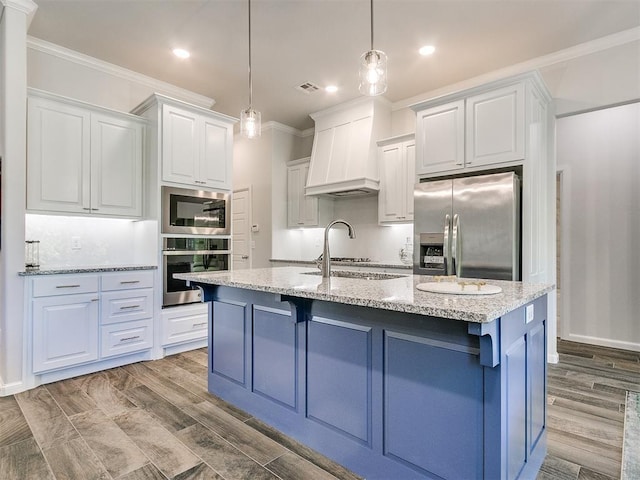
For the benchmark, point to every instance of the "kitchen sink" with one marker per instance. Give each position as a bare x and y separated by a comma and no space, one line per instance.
359,275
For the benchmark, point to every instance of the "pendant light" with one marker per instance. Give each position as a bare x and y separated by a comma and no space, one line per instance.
373,69
250,119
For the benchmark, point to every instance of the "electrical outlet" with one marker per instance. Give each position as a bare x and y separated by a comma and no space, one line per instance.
75,243
529,314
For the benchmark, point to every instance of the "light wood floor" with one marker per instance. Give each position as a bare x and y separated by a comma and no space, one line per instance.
155,420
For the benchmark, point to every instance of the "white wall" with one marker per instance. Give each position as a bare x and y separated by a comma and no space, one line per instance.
599,156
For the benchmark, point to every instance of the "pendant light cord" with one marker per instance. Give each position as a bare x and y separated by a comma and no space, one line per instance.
250,82
371,24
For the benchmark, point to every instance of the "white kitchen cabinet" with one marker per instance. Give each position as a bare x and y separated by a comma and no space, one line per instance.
478,128
85,318
440,134
304,210
65,324
83,159
495,126
195,145
185,323
397,178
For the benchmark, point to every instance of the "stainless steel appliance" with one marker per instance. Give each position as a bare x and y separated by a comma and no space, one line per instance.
196,212
186,255
468,226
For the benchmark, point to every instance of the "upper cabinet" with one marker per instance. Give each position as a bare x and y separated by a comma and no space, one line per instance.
304,210
480,127
196,144
83,159
397,159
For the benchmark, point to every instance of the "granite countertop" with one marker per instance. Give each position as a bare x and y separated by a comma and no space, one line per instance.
370,264
91,269
397,294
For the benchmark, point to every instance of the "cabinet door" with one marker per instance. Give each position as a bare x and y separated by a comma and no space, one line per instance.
65,331
58,172
410,177
495,126
116,165
440,138
179,145
391,199
302,211
215,155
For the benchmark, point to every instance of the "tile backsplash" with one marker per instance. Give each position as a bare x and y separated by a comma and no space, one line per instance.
84,241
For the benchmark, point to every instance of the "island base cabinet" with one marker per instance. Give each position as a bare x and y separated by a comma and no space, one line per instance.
386,394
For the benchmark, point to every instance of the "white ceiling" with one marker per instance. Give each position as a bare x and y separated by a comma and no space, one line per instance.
320,41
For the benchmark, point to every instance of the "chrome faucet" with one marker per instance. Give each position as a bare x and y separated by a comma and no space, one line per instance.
326,257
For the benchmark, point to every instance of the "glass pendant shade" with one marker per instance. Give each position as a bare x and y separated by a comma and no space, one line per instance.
250,123
373,73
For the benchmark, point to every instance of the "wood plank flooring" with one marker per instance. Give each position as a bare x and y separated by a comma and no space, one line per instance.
156,420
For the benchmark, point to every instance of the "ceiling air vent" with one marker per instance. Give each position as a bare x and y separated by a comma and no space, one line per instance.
308,87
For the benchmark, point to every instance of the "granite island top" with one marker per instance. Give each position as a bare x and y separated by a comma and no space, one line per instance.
86,269
398,294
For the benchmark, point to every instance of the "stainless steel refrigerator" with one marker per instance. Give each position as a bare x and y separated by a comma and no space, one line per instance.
468,226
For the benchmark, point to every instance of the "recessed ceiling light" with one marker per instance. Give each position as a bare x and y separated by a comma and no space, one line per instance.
427,50
331,89
181,53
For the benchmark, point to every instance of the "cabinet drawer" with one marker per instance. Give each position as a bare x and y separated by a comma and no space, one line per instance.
123,306
127,337
128,280
64,285
182,326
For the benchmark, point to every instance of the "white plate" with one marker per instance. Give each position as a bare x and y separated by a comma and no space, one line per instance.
456,289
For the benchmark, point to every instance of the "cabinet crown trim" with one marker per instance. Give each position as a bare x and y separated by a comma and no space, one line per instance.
397,139
159,99
532,77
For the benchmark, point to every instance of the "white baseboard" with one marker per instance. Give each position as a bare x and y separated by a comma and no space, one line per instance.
7,389
604,342
553,357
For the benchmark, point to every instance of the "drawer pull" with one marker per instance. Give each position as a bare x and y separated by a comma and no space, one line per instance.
67,286
196,325
128,339
129,307
125,282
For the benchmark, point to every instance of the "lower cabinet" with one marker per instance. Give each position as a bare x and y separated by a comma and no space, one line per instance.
65,331
387,394
79,319
184,324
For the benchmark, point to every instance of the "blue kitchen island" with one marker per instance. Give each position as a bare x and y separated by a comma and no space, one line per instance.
390,381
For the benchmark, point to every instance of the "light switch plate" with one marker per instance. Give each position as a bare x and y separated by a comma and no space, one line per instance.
530,313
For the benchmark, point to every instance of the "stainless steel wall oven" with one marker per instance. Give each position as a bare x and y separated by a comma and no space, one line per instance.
191,255
195,212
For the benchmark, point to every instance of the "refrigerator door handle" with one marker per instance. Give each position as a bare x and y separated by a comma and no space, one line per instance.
445,246
455,235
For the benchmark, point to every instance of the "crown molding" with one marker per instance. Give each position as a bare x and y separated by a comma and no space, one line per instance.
577,51
281,127
120,72
28,7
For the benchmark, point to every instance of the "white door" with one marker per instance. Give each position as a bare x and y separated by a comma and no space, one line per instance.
241,229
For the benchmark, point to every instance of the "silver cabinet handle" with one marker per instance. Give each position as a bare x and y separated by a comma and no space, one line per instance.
445,246
67,286
196,325
200,182
86,208
128,339
244,257
129,307
126,282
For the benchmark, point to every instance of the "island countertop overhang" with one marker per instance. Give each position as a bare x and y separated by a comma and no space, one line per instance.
398,294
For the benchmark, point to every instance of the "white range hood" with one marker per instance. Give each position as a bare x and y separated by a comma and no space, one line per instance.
344,155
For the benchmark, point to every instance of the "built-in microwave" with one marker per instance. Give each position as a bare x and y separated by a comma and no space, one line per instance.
195,212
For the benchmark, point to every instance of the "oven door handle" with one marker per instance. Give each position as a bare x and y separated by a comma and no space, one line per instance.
196,252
